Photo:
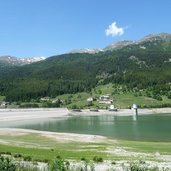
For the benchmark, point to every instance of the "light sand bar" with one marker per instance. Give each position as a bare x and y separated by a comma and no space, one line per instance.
43,113
28,114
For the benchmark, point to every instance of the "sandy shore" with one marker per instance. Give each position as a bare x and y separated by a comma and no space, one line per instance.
43,113
114,149
124,112
38,114
58,137
30,114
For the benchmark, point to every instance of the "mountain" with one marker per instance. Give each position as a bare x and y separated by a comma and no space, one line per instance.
118,45
139,65
87,50
14,61
121,44
113,46
155,37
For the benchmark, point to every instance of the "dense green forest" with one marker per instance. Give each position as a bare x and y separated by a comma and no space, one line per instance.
145,65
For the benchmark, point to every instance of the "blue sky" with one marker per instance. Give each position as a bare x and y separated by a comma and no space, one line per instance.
30,28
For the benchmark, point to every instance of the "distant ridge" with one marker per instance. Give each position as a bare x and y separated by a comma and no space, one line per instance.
87,50
134,65
121,44
14,61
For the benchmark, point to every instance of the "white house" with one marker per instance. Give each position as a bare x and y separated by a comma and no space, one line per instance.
4,104
105,99
45,99
90,99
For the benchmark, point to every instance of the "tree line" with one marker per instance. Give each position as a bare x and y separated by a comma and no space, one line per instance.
132,66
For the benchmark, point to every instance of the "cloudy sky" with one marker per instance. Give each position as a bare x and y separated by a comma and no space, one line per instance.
31,28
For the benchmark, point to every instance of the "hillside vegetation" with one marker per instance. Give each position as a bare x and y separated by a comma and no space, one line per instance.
142,66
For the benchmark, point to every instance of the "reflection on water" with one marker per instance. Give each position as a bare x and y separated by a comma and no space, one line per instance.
145,127
135,117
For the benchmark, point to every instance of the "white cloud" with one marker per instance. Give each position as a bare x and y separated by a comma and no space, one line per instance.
114,30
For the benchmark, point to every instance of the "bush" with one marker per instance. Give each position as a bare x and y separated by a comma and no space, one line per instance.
157,97
83,159
27,158
97,159
59,164
1,153
113,162
74,106
45,160
8,153
17,155
141,166
26,168
6,164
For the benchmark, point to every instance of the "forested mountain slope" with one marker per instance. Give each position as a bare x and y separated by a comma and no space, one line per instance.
143,64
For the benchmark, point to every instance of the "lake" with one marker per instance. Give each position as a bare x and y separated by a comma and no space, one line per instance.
141,128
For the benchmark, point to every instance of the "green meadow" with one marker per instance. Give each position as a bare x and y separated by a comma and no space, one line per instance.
122,98
42,148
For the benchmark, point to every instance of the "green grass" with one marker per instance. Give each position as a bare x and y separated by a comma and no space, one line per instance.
29,140
127,99
2,98
147,147
67,151
123,99
40,148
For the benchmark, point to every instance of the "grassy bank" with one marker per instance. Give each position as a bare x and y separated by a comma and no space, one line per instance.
39,147
147,147
123,98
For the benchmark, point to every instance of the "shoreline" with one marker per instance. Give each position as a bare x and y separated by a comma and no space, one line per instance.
31,113
47,113
56,136
13,136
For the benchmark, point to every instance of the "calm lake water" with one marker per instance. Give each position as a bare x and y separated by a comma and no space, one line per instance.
144,127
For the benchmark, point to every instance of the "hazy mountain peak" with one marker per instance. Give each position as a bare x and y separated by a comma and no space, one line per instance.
154,37
121,44
118,45
12,60
87,50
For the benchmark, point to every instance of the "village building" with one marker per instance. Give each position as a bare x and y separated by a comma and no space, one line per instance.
90,99
4,104
105,99
45,99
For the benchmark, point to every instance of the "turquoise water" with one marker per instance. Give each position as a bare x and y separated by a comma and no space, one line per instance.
143,128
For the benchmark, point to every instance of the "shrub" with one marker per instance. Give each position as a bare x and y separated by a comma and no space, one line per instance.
59,164
8,153
74,106
27,158
17,155
83,159
45,160
141,166
6,164
97,159
26,168
1,153
113,162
